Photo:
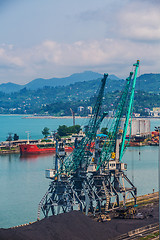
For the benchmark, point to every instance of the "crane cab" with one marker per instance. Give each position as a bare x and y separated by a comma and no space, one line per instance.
114,165
50,173
91,168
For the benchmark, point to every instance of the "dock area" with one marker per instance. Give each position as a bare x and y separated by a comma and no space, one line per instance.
76,225
10,147
147,139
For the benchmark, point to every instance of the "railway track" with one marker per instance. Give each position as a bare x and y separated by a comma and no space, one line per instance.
139,232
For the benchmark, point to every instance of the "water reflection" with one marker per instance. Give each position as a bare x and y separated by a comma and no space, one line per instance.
23,182
30,157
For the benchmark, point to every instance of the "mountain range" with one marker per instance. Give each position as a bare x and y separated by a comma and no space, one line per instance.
53,82
146,82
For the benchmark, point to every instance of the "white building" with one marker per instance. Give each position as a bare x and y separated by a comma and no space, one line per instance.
155,112
80,109
139,126
89,108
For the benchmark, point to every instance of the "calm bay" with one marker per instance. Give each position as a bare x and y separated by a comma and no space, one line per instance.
22,180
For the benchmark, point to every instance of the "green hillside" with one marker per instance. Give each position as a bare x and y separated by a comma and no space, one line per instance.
58,100
149,83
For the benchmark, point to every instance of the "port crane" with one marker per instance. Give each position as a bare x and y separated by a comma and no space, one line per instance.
80,157
98,185
70,186
113,184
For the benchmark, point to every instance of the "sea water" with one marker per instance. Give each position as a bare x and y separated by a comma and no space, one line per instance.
23,182
20,125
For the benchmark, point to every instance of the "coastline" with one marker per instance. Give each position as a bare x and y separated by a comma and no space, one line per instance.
76,117
31,116
53,117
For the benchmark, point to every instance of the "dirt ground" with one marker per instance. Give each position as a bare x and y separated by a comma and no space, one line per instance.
77,226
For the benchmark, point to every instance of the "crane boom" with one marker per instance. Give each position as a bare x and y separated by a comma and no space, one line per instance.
110,144
81,154
129,111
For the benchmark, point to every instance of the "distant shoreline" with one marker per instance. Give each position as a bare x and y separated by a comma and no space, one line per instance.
53,117
78,117
24,116
30,116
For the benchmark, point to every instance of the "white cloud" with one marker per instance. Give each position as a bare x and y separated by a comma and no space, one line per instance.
135,20
111,55
9,57
132,30
138,20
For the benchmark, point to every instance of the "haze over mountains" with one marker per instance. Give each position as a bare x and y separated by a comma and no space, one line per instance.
147,82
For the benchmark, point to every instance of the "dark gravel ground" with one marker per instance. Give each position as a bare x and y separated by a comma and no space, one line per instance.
77,226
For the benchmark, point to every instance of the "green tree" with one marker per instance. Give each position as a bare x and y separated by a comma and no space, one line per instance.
9,138
62,130
15,137
74,129
45,132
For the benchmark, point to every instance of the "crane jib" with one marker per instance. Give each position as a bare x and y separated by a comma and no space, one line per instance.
79,156
110,143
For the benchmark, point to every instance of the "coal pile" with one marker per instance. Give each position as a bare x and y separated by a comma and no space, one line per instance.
67,226
76,226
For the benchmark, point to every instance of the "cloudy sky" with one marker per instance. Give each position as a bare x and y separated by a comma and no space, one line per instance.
50,38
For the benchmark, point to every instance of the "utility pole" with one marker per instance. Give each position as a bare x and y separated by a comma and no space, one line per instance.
10,139
73,115
28,132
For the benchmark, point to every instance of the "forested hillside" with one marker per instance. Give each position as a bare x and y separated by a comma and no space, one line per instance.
58,100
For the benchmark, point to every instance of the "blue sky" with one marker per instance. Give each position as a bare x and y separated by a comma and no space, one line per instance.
48,38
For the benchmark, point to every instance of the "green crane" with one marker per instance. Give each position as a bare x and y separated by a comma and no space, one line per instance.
69,188
129,112
110,169
109,147
80,157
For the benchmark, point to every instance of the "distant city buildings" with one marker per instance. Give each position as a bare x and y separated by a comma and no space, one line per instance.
89,108
80,108
156,109
150,113
155,112
86,110
136,114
